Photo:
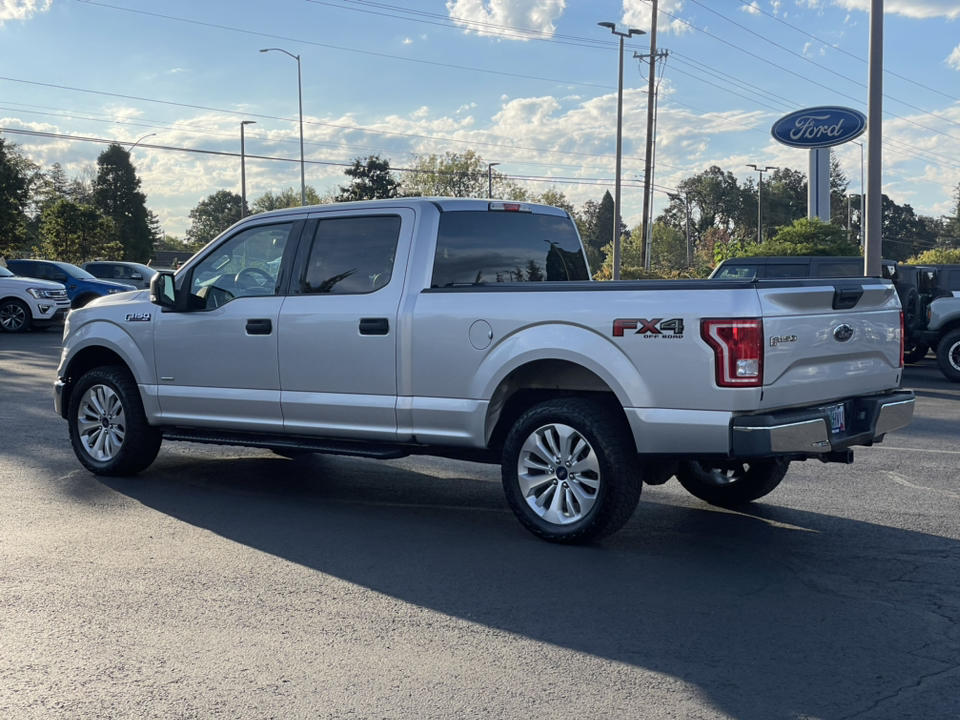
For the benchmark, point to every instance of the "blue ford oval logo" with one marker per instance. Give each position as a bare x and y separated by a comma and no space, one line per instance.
843,332
819,127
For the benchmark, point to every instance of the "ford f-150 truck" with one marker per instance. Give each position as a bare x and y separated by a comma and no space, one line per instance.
471,329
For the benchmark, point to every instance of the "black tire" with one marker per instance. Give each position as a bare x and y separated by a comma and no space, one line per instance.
948,355
734,482
108,427
911,310
560,503
915,353
82,300
15,316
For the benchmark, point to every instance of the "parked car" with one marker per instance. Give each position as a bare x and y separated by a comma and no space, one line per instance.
81,286
788,266
30,303
131,273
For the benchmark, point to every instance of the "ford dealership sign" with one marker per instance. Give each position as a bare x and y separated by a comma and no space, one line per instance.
819,127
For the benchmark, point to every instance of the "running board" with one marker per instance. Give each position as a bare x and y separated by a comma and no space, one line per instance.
327,446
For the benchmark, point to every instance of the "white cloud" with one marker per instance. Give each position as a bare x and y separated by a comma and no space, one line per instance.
22,9
636,13
494,17
954,59
919,9
753,8
408,41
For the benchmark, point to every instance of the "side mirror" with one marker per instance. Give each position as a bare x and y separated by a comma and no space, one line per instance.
136,276
163,292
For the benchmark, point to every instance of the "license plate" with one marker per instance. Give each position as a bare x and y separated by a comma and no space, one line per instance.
837,421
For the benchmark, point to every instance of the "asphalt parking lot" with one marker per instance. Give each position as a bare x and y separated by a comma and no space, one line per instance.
233,583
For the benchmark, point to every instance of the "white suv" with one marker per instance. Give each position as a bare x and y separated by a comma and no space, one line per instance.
27,302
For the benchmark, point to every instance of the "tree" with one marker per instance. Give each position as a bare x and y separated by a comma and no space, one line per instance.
806,236
77,233
903,232
597,230
937,256
14,195
838,192
449,175
212,216
116,194
371,180
287,198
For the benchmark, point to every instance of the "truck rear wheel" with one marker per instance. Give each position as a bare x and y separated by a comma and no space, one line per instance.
915,353
108,427
948,355
733,482
570,471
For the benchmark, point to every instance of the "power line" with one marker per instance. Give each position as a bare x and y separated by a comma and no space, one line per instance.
757,8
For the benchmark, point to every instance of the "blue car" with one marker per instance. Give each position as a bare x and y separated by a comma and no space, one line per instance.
82,287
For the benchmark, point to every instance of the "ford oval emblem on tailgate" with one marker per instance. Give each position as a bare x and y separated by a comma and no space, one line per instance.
842,333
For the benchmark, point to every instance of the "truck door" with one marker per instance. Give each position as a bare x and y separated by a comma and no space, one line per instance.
339,327
217,359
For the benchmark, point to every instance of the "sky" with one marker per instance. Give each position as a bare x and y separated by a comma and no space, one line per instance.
528,84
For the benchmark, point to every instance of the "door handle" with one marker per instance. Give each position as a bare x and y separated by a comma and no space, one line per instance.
259,326
374,326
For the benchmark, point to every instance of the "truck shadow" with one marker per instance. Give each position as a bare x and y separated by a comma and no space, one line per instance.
771,613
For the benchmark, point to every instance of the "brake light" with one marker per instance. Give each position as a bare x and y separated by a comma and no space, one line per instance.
738,349
509,207
902,340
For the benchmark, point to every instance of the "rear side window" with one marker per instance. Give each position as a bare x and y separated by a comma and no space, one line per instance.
490,247
100,270
785,270
951,280
352,255
840,269
736,272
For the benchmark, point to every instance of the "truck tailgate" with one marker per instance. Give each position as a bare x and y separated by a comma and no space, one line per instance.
829,341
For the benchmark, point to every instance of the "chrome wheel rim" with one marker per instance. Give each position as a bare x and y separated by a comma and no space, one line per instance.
100,423
12,317
720,476
559,474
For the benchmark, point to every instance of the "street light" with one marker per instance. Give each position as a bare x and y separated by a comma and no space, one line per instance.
490,167
760,170
140,140
243,170
303,180
630,32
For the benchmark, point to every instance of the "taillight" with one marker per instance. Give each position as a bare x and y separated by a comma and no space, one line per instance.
902,339
738,348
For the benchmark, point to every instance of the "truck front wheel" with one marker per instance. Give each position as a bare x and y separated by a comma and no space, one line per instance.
108,427
948,355
733,482
570,471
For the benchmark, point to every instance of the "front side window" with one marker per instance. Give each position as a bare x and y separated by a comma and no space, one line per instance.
736,272
352,255
246,265
491,247
840,269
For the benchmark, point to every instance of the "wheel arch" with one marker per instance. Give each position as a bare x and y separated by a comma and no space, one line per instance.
538,381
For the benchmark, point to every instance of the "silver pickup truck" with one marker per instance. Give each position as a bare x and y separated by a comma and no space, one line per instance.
471,329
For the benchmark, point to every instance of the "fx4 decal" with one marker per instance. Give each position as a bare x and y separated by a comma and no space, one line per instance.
656,328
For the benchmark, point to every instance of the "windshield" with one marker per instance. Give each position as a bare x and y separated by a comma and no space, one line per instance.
76,272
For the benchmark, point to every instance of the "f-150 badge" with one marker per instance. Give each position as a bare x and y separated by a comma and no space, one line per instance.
656,328
138,317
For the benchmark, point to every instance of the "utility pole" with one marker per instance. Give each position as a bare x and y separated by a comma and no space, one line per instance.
874,217
648,155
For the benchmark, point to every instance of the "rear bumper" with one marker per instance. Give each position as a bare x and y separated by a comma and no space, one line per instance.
807,431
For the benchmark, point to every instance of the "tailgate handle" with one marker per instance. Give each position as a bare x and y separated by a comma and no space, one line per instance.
846,298
374,326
